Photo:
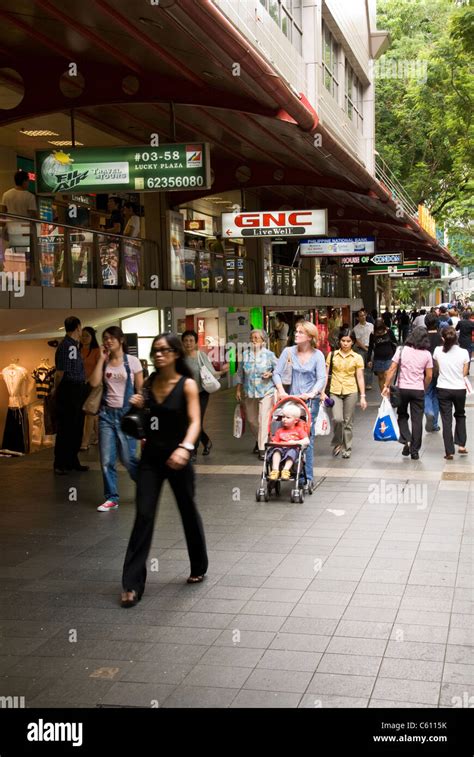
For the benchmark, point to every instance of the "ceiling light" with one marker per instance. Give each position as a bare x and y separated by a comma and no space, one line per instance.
21,331
150,22
209,74
38,133
64,143
61,328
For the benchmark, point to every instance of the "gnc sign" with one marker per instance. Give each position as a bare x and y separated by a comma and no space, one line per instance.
286,223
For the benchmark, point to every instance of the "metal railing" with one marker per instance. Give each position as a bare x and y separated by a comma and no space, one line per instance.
386,177
58,255
207,271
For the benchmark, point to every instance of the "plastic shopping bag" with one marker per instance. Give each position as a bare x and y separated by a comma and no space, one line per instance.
386,426
322,427
239,421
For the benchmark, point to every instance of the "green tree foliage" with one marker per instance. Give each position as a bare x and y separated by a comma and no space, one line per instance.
424,122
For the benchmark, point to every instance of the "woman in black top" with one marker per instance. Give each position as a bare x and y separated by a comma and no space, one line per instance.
173,428
465,327
382,344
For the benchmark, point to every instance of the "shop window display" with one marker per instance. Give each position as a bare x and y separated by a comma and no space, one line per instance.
16,433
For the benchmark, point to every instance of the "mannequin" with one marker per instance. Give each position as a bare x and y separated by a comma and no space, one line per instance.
44,379
16,434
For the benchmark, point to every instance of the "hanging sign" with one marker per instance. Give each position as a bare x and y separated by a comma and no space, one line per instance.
379,259
285,223
322,247
142,168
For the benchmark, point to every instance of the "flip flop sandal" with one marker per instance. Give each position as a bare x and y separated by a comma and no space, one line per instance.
195,579
336,451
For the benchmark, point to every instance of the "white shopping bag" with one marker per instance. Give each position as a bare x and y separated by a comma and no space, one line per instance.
239,421
386,426
322,427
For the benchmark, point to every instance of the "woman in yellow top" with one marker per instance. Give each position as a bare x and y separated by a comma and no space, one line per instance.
344,373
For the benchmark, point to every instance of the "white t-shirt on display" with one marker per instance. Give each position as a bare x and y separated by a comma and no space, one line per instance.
451,367
115,377
363,332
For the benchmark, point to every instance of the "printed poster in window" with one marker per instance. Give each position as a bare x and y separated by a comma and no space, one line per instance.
177,261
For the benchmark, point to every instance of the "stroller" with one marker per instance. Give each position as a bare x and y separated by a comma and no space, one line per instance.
298,471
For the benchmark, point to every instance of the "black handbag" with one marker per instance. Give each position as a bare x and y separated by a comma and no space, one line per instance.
395,396
135,421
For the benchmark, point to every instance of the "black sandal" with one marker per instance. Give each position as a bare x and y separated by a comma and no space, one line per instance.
195,579
131,602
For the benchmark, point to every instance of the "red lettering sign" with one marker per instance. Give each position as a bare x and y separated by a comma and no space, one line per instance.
248,220
293,218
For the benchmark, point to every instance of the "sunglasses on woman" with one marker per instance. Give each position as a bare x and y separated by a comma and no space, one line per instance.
163,350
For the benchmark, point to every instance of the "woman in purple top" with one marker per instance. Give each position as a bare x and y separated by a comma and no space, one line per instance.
416,371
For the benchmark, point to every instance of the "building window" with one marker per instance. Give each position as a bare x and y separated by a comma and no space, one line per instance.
287,14
353,97
330,50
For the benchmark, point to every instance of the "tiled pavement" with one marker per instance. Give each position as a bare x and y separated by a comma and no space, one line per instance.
360,597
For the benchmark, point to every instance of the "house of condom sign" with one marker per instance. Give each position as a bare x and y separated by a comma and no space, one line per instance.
165,168
284,223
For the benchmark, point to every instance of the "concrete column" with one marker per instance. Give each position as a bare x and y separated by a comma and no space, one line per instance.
155,205
367,285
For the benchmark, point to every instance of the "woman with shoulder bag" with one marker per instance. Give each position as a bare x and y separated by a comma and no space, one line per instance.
344,376
414,364
307,379
195,360
255,387
121,376
90,353
382,346
173,403
452,362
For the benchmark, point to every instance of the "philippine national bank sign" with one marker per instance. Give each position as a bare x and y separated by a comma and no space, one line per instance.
132,168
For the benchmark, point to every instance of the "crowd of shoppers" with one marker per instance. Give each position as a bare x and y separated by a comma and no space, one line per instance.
429,368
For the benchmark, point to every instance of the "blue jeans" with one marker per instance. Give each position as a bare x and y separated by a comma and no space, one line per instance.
113,442
432,404
314,408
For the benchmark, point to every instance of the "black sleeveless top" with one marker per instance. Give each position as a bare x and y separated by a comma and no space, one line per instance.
168,421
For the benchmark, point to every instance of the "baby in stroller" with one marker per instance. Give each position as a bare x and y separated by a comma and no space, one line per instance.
292,432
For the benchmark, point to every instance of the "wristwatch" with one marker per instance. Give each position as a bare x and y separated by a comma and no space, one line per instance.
187,445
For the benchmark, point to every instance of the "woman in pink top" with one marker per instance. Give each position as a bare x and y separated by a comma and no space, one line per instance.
414,378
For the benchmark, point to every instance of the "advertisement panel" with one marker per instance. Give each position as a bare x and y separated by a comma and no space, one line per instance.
176,249
141,168
348,246
287,223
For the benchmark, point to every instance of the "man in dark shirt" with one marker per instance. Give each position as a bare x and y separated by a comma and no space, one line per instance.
69,393
387,318
465,326
431,396
114,223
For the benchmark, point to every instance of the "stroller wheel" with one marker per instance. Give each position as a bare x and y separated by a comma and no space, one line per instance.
259,495
297,495
266,495
277,487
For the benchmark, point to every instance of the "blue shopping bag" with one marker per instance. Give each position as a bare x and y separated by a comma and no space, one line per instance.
386,426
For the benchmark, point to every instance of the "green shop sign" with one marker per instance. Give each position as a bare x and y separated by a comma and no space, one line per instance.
122,169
